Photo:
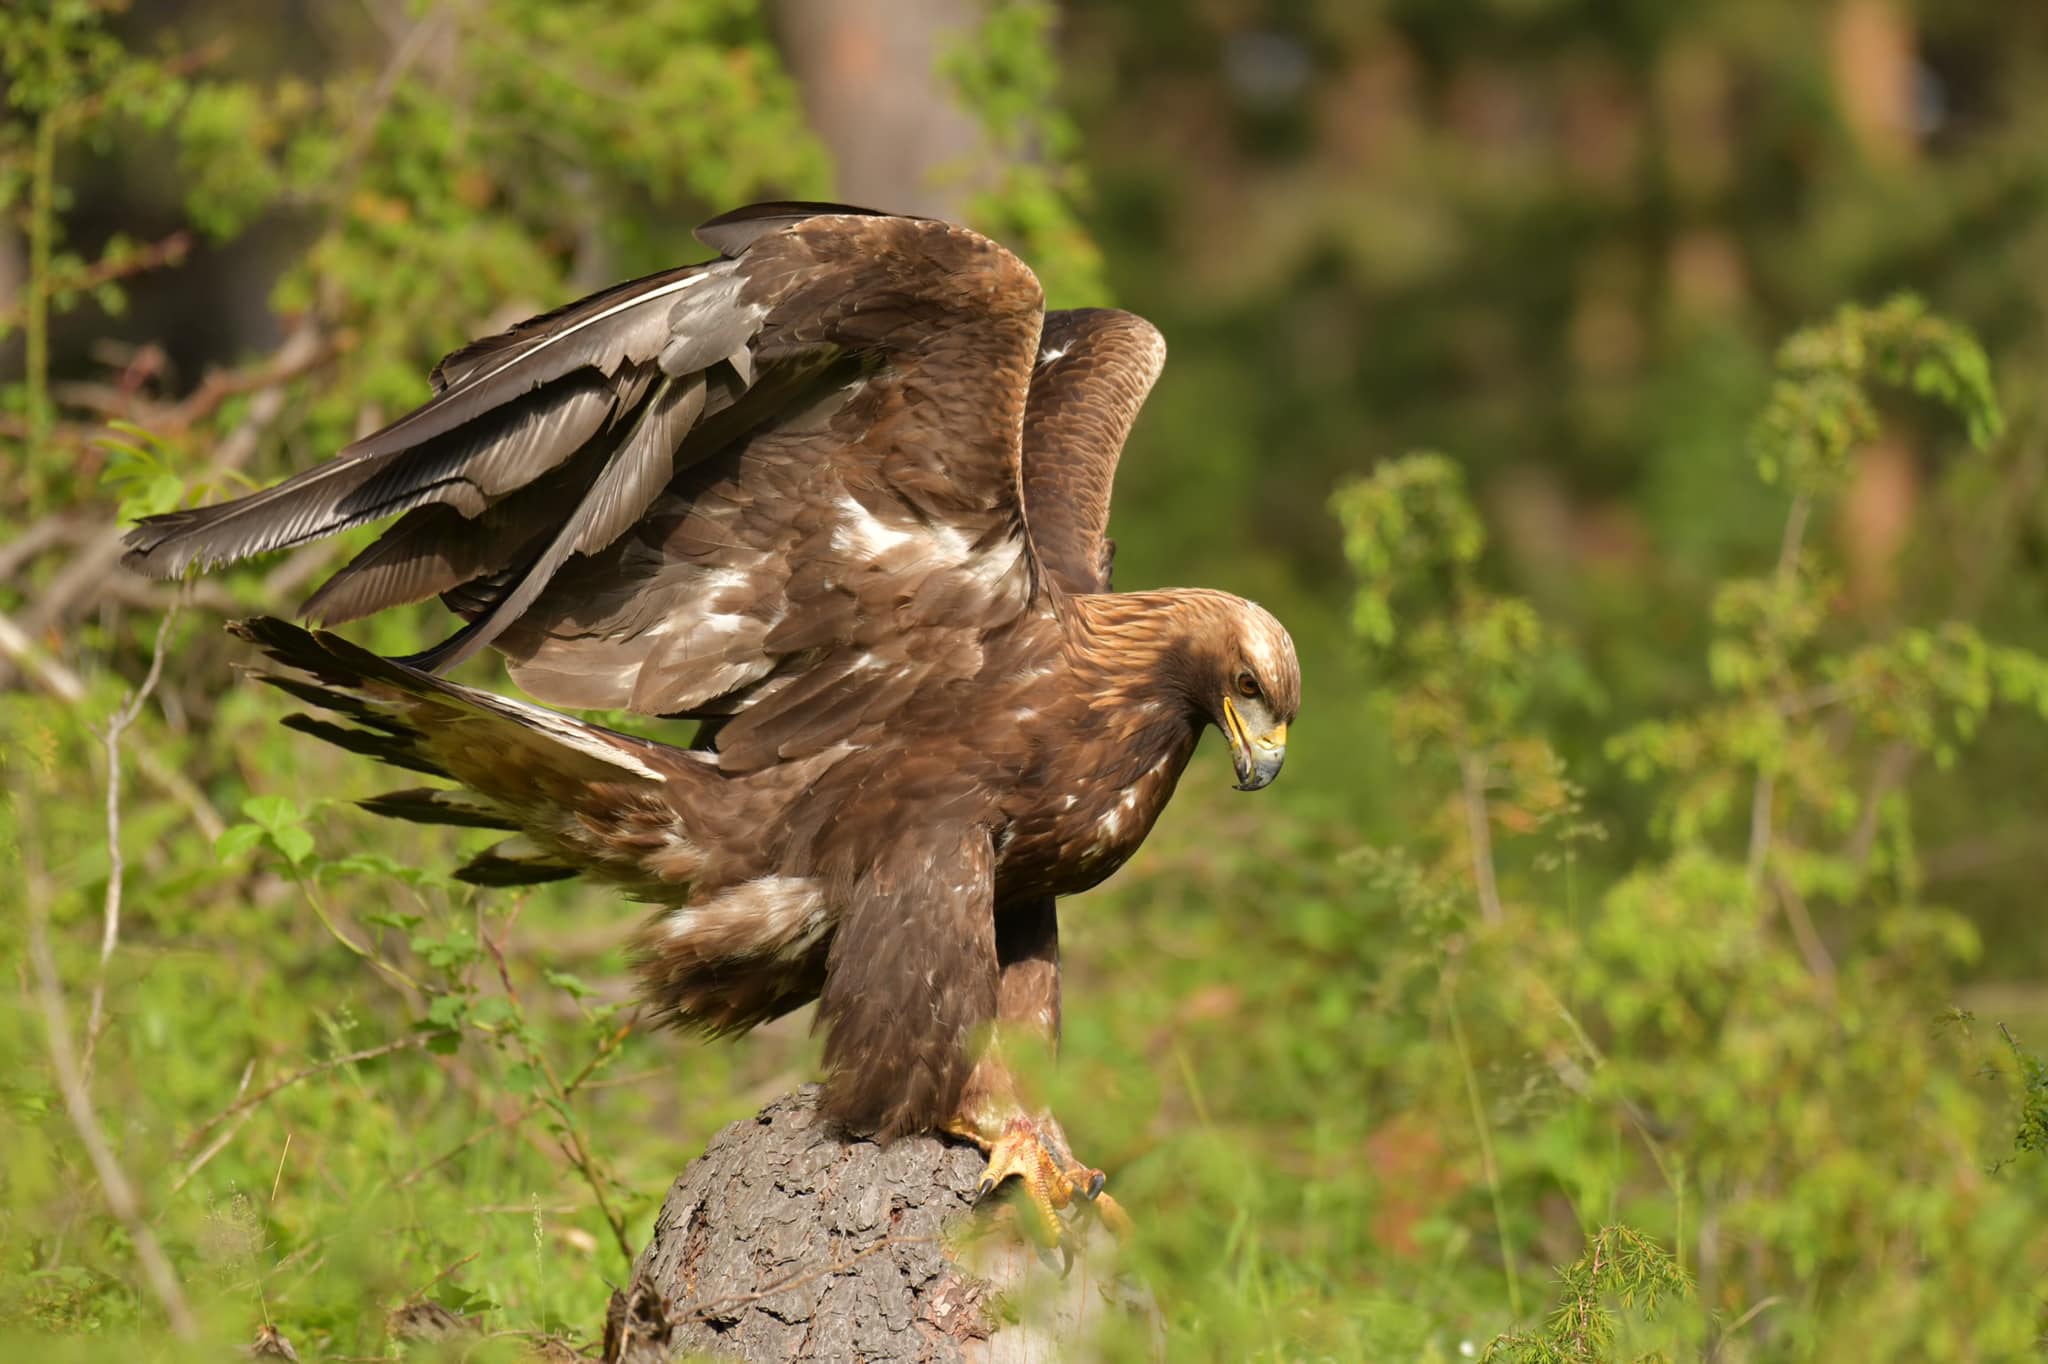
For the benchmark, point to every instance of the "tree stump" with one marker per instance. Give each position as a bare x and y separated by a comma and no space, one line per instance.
790,1240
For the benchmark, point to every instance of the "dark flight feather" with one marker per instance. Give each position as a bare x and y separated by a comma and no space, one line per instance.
437,805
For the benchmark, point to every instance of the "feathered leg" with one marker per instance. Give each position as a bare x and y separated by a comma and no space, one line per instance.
993,1114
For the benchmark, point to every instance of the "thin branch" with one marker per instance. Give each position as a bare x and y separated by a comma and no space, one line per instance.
428,1286
1765,795
110,911
1479,830
119,1193
42,233
23,549
605,1048
170,251
59,681
1894,764
1800,921
199,1162
572,1140
1486,1160
302,350
405,1043
214,1148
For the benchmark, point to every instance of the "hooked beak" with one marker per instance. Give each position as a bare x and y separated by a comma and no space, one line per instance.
1256,757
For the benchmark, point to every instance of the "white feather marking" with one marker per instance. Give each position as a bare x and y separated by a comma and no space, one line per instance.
862,532
722,579
1051,353
568,732
780,915
672,287
1258,641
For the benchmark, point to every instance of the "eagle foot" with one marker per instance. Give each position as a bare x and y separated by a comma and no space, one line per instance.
1036,1152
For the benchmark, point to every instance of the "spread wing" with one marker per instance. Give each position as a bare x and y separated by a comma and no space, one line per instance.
780,487
1095,366
676,617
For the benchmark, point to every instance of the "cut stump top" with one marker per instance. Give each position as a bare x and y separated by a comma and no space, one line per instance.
789,1239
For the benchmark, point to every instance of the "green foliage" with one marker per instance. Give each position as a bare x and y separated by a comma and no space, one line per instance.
1582,1329
2031,1135
1614,946
1822,407
1007,77
1513,1033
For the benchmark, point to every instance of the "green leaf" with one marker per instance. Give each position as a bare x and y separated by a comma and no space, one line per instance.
273,812
493,1011
236,840
448,1011
294,842
571,985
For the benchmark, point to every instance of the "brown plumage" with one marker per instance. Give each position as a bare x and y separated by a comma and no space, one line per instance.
841,493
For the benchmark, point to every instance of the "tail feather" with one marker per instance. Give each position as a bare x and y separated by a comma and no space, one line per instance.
514,862
582,798
437,805
398,750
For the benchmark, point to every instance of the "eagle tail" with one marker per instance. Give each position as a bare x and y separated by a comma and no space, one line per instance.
524,766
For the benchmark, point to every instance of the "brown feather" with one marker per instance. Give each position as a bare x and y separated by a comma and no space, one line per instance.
846,501
1095,367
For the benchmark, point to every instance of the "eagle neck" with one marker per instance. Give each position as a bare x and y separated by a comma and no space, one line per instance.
1137,659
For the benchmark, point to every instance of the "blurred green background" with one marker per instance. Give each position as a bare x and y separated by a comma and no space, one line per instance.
1649,913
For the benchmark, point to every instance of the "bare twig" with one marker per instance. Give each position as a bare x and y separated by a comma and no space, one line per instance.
419,37
114,1186
169,251
1479,829
110,911
303,349
46,533
428,1286
1811,947
405,1043
42,234
1894,764
1762,799
1487,1164
572,1144
609,1045
52,676
219,1145
59,681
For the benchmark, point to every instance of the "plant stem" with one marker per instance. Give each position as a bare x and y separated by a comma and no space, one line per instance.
42,230
1486,1161
1762,799
1479,830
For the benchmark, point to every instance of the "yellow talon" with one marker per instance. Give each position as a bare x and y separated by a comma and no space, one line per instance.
1036,1154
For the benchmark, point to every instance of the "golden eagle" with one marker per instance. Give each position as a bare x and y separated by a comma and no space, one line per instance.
840,495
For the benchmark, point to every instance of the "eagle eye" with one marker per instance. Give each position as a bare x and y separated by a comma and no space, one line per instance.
1247,686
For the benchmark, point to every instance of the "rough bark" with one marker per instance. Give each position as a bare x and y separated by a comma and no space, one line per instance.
788,1239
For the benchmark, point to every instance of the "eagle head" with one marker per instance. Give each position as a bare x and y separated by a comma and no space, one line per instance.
1251,690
